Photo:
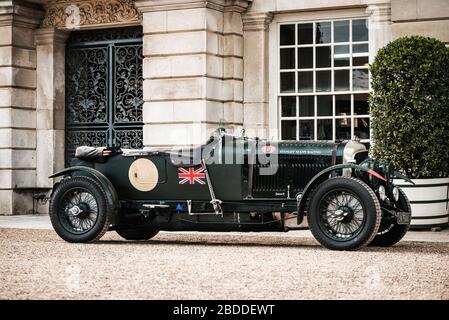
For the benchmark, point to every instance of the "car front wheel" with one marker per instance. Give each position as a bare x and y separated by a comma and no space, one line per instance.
344,214
391,233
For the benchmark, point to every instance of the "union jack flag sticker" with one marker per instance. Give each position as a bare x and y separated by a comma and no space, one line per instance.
191,176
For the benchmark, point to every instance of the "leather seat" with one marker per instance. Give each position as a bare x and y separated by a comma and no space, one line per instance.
90,154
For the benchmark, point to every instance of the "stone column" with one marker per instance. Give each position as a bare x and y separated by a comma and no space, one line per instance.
193,69
50,47
18,19
256,73
380,32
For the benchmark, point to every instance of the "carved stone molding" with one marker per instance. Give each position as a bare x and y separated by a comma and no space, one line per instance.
50,35
257,21
380,13
75,14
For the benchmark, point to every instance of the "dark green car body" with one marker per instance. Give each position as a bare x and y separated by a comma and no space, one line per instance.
232,184
249,200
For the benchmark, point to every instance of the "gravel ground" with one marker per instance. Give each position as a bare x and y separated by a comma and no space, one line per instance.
36,264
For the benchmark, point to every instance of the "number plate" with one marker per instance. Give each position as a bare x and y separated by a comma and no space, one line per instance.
403,217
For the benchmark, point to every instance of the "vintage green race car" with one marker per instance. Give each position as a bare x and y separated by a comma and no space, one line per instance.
232,183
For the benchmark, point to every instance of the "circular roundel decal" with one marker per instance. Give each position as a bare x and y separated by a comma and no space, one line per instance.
143,175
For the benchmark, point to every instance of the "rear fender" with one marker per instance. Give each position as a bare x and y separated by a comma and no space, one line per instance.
302,197
111,193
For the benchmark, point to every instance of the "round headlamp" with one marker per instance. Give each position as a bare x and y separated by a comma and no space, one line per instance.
395,194
382,193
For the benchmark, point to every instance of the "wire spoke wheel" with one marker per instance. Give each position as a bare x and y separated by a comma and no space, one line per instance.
341,215
78,211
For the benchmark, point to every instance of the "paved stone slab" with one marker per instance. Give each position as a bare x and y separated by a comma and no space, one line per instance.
41,222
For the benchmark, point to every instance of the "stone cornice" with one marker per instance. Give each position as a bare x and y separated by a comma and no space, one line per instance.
75,14
257,21
50,35
168,5
20,14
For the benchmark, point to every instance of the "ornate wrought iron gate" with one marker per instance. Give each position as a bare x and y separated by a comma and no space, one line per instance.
104,89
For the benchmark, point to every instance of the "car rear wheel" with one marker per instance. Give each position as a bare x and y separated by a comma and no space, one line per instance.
79,210
137,233
391,233
344,214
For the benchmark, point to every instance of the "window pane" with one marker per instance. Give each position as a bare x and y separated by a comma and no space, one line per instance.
306,130
341,61
341,31
305,81
307,106
343,129
341,49
288,58
360,61
305,33
287,82
288,129
359,30
323,81
341,80
341,56
323,32
360,79
361,128
360,48
323,57
325,129
342,105
305,58
324,106
361,106
287,35
288,106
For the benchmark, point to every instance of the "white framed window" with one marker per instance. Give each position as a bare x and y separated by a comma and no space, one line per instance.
323,79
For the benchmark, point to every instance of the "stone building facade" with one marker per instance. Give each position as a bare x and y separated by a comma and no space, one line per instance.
166,72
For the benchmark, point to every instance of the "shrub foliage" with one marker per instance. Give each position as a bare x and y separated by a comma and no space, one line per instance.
410,106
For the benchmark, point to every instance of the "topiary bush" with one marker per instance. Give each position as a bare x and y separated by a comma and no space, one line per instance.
410,106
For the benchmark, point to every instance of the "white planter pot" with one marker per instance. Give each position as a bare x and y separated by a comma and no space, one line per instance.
429,199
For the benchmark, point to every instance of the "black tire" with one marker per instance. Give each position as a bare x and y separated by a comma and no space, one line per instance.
393,233
137,233
92,222
344,214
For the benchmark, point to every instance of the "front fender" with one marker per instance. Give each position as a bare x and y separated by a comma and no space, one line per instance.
302,197
111,193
